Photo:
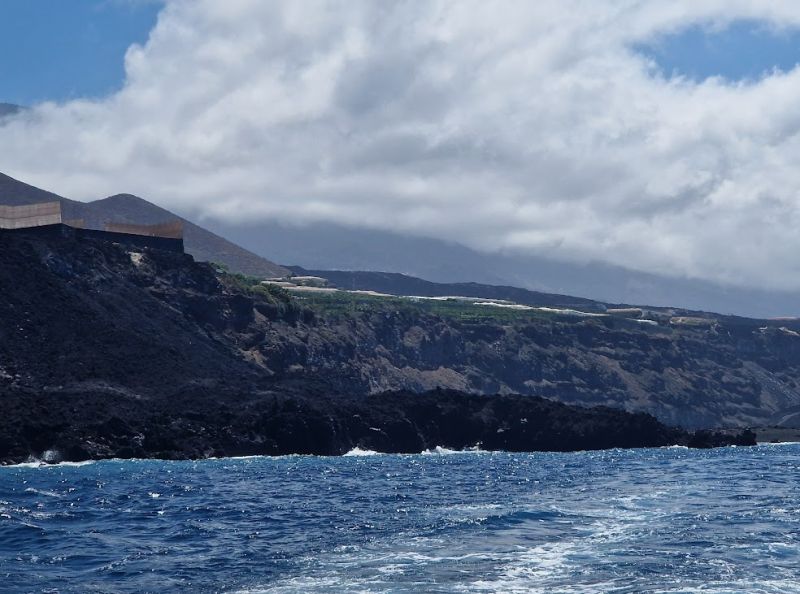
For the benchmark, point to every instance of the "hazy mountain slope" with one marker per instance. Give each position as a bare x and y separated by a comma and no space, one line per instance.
395,283
17,193
204,245
331,247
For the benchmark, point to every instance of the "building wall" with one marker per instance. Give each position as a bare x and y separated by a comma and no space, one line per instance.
45,219
172,229
31,215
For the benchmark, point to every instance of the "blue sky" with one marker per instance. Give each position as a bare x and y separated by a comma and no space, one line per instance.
743,50
64,49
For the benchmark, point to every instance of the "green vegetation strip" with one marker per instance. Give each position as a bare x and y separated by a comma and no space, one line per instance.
344,303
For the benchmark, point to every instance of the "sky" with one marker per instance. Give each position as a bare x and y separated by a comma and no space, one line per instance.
659,136
54,50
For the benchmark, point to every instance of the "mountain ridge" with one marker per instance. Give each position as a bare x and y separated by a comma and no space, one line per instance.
328,246
126,208
256,251
395,283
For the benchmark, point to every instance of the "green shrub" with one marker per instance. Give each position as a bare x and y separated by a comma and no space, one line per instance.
272,293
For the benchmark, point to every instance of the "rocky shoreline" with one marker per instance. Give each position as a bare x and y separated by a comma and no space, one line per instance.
212,420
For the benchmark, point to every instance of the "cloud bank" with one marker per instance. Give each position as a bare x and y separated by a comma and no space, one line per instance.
503,125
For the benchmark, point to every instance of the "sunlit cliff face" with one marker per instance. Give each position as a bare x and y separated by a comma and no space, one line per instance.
547,127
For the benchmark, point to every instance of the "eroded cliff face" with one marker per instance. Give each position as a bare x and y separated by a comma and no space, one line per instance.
734,372
77,314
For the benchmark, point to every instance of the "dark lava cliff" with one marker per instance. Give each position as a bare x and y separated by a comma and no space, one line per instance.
108,352
725,372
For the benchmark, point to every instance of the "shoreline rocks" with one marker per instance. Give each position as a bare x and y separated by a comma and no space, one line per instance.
201,421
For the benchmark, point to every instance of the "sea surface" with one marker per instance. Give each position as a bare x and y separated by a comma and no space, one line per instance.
658,520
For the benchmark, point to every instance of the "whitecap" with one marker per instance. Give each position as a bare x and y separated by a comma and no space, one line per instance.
42,464
32,464
44,492
441,451
359,452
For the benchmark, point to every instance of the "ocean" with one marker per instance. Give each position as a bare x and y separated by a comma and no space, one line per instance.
656,520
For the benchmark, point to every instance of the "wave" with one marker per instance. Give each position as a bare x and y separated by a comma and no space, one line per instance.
37,463
441,451
42,464
359,452
355,452
45,492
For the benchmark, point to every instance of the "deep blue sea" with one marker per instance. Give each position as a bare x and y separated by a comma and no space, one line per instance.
659,520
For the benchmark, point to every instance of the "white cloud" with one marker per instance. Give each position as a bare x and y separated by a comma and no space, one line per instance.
502,125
